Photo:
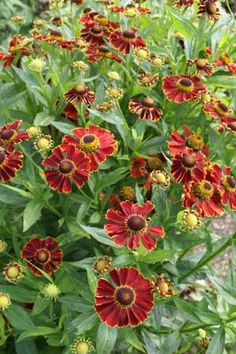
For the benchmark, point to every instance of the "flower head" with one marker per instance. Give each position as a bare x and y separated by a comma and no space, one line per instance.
13,272
209,8
114,93
10,134
102,265
123,41
10,163
97,143
66,164
5,301
182,88
180,144
145,109
147,80
80,93
42,253
216,109
3,246
124,301
43,143
82,345
37,65
190,220
34,131
129,226
51,291
164,286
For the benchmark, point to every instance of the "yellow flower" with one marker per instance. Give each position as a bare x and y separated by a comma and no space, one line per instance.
5,301
37,65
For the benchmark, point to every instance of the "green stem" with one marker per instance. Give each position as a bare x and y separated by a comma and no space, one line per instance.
206,260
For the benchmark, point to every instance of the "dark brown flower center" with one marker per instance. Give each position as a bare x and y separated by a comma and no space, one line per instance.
89,138
231,181
66,166
185,85
55,33
96,29
42,256
103,50
136,222
125,296
221,108
87,10
188,161
2,157
6,134
185,82
129,34
148,102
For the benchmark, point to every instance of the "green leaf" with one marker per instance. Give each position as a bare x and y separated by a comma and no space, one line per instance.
43,119
99,234
111,178
10,196
183,25
217,344
37,331
65,128
106,339
132,338
222,81
9,95
171,343
26,347
40,305
156,256
224,289
32,213
19,294
83,322
18,317
187,309
92,280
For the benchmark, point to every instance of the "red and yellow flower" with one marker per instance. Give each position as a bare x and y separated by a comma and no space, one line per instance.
97,143
42,254
203,67
209,8
71,112
94,34
205,195
182,88
17,46
126,300
10,134
229,123
123,41
145,109
227,184
129,225
188,166
179,144
10,163
80,93
216,109
98,53
66,164
141,167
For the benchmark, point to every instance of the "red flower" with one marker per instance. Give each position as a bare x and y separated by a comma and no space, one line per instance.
145,109
97,143
179,144
94,34
182,88
10,163
66,164
180,3
80,93
141,167
210,8
205,195
15,47
131,10
126,301
188,166
7,58
10,134
202,65
229,123
129,226
125,40
99,53
216,109
71,112
55,37
228,184
43,254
